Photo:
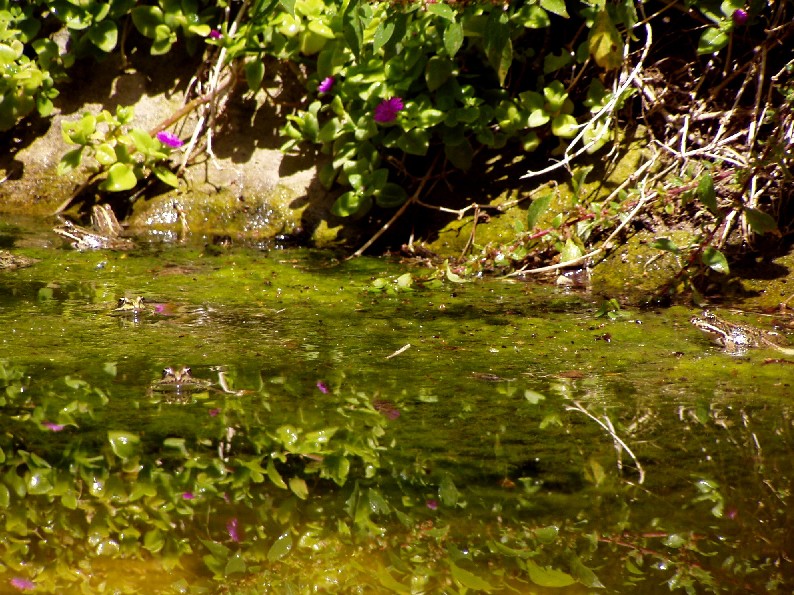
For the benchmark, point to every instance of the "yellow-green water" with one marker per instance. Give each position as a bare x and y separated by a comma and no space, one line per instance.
453,438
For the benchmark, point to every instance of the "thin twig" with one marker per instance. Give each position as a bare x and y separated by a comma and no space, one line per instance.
606,243
414,197
609,429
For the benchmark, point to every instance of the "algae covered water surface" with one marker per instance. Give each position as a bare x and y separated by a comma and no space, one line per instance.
345,427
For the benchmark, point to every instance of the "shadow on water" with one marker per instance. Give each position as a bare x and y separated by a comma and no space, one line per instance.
479,437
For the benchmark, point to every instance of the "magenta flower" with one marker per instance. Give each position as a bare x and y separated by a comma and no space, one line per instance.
739,16
53,427
326,85
215,34
22,584
432,504
322,387
387,110
169,139
187,495
214,412
232,527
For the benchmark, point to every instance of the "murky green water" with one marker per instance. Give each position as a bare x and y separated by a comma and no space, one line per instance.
457,437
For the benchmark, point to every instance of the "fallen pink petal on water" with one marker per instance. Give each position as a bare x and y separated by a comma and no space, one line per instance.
53,427
232,527
323,387
22,584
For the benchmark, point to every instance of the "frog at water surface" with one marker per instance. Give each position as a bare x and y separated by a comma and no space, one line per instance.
736,339
176,385
105,232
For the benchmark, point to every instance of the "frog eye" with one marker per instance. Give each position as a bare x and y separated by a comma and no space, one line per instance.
168,372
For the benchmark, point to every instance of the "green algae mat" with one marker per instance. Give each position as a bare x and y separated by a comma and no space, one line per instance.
330,426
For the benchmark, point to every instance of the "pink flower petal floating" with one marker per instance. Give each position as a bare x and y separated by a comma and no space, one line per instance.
387,110
22,584
53,427
169,139
232,528
322,387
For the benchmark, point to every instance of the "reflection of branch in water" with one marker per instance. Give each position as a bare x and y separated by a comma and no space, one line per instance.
620,446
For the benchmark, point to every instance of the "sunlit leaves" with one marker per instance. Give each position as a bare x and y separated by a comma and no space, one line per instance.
547,576
280,548
606,44
715,260
469,580
124,444
707,193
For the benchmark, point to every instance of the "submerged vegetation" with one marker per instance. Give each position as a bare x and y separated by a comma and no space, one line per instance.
403,96
343,434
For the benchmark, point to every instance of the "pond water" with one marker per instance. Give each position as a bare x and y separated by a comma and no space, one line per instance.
340,431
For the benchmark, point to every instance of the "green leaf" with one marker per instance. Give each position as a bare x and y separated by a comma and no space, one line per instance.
760,222
537,208
712,40
123,444
349,203
153,541
447,492
289,6
298,487
453,38
454,277
70,161
460,155
665,244
564,126
534,17
469,580
585,575
707,194
548,577
415,141
382,35
254,73
389,582
235,565
166,176
442,10
121,176
104,35
530,141
437,71
390,196
555,6
280,548
571,251
715,260
105,154
605,42
146,19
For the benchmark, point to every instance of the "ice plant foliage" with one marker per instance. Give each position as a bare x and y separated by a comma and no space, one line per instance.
169,139
386,111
